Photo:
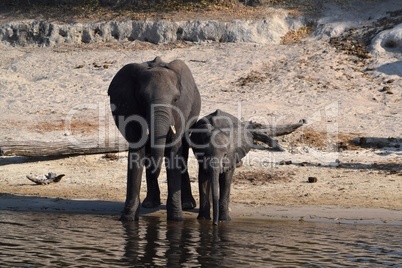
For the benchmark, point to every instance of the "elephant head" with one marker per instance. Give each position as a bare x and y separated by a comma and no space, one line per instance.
219,142
152,104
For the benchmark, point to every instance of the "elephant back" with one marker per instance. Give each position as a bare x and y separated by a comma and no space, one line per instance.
222,123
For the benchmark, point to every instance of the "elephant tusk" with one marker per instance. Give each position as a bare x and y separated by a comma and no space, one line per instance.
173,129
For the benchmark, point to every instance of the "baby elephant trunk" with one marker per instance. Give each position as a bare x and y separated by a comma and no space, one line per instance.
215,196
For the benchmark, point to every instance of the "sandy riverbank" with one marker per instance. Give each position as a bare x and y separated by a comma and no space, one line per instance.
59,93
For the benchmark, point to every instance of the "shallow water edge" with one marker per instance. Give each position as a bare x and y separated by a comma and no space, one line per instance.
351,215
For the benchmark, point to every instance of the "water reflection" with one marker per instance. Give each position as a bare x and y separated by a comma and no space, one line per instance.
52,240
160,243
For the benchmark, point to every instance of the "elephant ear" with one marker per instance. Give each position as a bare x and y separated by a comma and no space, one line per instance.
184,77
123,101
224,120
200,136
246,142
157,62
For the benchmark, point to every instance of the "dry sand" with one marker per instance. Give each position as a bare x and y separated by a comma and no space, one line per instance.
54,94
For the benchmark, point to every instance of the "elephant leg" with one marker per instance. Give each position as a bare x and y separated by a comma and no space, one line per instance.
204,185
225,182
153,198
187,199
134,174
173,172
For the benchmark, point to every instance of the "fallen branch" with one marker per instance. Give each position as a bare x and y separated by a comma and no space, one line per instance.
59,148
46,179
274,131
271,142
263,133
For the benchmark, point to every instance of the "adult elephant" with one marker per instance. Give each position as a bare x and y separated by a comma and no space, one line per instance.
153,104
219,142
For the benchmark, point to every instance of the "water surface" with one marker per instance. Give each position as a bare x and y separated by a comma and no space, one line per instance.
30,239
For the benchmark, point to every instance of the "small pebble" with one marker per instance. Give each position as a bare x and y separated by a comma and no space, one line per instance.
387,90
312,179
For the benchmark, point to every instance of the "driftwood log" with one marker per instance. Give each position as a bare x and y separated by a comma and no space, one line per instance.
274,131
262,133
45,179
58,148
265,133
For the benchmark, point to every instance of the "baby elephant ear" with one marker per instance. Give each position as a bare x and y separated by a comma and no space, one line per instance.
204,131
209,129
200,135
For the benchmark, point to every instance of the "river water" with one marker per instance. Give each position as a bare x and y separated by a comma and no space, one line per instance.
30,239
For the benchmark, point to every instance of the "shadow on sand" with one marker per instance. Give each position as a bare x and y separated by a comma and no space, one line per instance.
10,160
44,204
394,68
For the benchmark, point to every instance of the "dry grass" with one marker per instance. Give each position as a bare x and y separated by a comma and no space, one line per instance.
70,11
261,178
324,140
251,78
121,45
294,37
356,40
74,127
111,156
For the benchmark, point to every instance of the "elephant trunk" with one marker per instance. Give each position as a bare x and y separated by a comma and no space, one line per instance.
160,124
215,195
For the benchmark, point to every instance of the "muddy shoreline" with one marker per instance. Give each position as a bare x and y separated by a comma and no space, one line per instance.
330,214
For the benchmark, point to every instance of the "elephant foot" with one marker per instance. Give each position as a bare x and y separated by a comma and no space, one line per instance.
224,218
128,217
187,204
175,219
151,202
202,217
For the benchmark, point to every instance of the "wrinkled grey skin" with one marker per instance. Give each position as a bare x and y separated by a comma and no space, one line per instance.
219,142
153,104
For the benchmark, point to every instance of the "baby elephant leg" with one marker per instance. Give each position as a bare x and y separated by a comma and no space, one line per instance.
225,182
204,190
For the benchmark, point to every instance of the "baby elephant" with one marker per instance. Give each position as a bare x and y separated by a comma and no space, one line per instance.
219,142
